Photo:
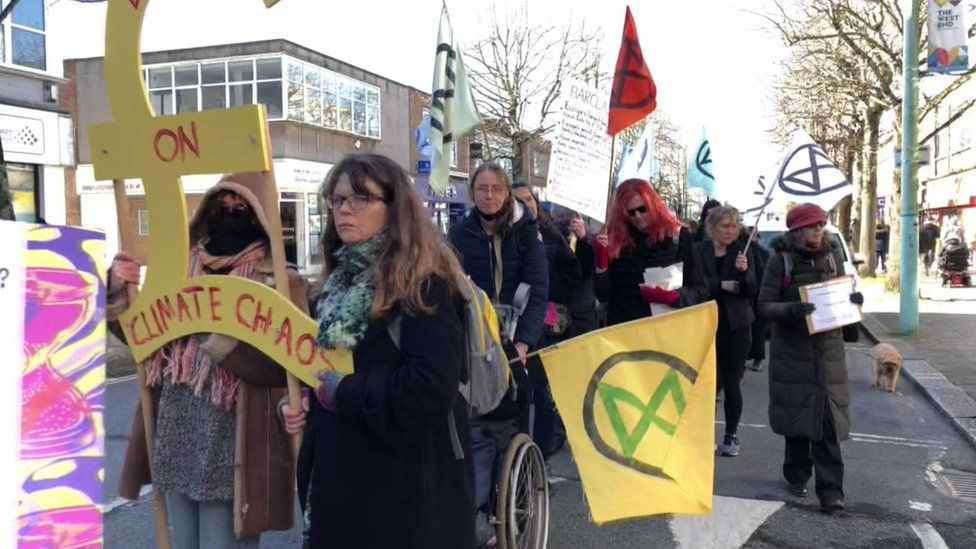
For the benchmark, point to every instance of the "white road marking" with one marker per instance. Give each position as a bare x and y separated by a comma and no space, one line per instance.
901,439
919,505
118,502
731,522
929,536
115,380
865,437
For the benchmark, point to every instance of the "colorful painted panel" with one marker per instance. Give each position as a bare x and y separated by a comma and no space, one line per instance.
60,288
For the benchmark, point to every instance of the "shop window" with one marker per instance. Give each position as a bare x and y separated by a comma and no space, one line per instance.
540,164
22,180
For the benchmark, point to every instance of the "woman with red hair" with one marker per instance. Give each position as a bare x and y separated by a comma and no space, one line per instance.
641,233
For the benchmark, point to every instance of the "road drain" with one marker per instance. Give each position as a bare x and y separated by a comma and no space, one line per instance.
958,484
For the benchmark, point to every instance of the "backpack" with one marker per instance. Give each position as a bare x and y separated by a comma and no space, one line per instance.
485,363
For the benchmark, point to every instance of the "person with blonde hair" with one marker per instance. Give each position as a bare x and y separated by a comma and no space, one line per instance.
385,458
732,284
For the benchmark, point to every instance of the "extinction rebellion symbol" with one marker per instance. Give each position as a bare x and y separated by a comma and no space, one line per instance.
611,398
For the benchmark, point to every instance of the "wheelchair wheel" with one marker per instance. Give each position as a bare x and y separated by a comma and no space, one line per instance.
522,503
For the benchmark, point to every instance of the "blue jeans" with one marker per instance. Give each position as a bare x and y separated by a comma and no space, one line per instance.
203,524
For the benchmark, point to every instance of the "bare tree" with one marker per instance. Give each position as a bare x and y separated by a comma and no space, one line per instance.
518,70
862,41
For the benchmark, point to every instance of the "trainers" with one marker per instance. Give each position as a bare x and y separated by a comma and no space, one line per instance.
756,366
798,490
729,446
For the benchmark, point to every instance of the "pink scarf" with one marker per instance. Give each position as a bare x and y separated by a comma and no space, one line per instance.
181,361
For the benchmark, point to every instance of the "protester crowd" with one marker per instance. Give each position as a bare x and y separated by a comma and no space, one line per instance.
391,455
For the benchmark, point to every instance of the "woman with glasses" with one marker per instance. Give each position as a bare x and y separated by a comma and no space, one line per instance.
808,395
384,460
500,249
640,234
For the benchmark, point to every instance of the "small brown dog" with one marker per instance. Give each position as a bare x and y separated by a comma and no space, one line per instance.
885,366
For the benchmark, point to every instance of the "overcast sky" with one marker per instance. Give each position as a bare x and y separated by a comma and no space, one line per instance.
712,61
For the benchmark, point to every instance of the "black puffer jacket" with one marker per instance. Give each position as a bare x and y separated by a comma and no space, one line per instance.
807,373
619,286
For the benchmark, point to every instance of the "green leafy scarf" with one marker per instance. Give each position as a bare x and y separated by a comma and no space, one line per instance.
343,307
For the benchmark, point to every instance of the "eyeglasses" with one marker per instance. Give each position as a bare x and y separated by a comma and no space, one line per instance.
235,210
488,190
356,201
632,212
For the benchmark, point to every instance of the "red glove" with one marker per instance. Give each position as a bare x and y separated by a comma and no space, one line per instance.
654,294
601,255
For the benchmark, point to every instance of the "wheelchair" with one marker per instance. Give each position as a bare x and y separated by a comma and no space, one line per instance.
521,492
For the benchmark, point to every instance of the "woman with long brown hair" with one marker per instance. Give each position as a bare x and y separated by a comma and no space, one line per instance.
641,233
384,460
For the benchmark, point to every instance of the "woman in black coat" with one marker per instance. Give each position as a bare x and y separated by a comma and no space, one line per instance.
732,284
808,394
385,458
643,233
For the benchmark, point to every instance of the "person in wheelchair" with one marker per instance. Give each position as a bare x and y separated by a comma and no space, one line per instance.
499,247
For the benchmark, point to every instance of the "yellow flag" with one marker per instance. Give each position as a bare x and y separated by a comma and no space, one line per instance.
638,401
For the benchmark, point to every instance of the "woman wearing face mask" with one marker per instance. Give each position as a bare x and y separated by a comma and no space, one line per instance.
500,249
384,459
732,284
808,394
643,233
200,383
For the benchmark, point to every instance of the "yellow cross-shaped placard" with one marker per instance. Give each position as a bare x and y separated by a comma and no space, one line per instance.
160,149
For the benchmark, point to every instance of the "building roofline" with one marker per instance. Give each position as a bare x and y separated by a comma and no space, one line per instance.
276,45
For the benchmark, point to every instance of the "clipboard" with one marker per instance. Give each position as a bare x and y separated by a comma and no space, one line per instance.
834,307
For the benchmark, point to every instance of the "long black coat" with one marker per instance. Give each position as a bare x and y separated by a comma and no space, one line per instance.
736,309
383,469
619,286
807,373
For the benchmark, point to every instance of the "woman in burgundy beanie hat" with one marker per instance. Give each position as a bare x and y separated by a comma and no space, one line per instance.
808,394
804,215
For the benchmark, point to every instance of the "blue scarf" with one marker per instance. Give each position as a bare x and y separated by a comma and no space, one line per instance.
343,307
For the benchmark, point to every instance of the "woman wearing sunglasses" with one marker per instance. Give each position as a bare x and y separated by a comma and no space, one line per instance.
643,233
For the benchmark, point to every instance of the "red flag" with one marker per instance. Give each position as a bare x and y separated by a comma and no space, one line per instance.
634,94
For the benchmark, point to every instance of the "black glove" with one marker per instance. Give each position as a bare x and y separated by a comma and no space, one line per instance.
857,298
799,310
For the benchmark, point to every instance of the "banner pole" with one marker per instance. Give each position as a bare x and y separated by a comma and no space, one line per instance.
613,146
145,395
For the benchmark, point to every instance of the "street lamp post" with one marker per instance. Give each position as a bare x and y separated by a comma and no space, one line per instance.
908,319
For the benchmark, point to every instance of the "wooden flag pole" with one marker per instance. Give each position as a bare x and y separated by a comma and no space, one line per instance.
145,395
278,265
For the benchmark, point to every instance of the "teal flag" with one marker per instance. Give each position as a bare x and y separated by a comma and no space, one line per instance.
700,171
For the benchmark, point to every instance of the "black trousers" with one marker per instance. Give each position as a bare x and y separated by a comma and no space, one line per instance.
804,456
731,348
757,351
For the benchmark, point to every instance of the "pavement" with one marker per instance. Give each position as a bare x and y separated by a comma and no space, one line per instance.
898,460
941,358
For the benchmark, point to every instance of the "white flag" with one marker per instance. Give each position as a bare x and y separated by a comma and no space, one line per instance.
452,109
638,163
